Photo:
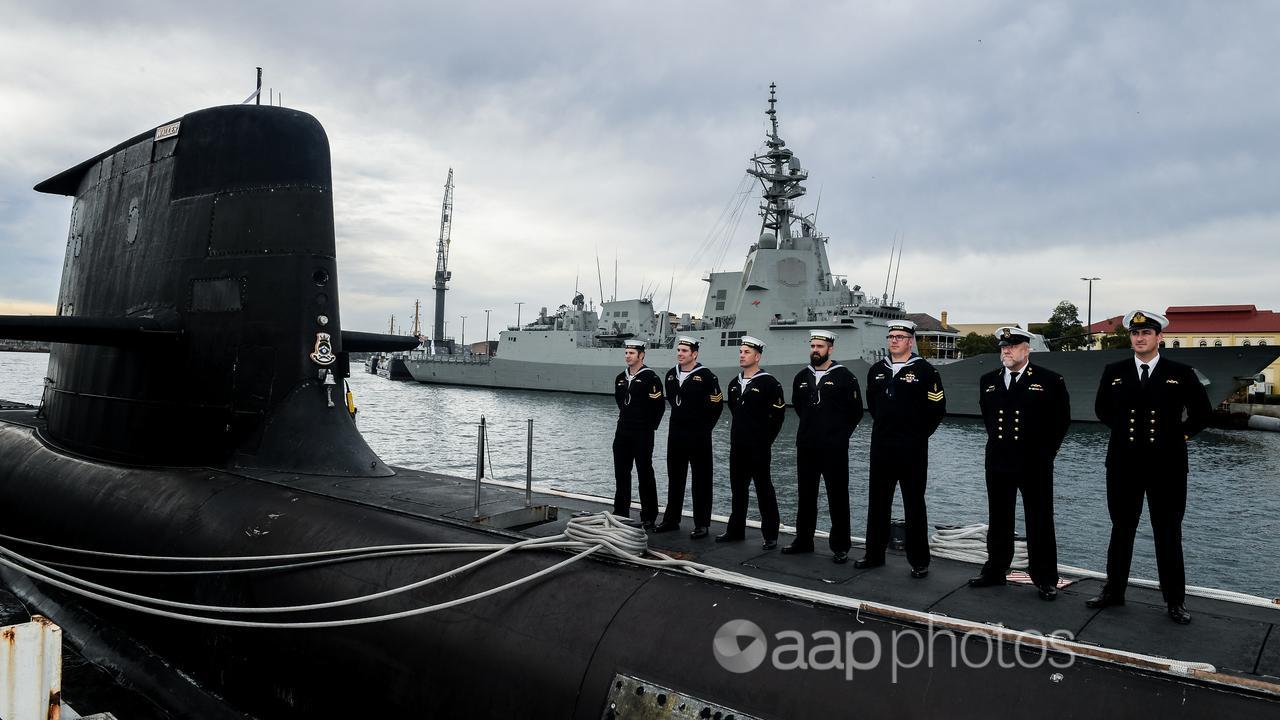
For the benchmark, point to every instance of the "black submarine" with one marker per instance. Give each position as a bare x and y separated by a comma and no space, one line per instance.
194,427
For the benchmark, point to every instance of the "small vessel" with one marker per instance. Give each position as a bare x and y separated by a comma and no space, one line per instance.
785,290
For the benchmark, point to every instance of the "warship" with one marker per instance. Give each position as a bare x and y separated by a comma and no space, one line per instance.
785,290
193,503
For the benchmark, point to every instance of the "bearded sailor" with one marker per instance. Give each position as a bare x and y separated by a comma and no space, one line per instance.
906,401
693,392
758,406
638,392
828,400
1026,410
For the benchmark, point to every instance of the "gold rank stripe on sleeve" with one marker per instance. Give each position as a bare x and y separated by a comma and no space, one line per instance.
935,396
780,404
655,395
717,398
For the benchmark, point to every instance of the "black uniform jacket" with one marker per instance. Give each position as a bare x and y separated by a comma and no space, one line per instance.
640,402
1147,425
907,407
1026,422
695,405
759,411
829,409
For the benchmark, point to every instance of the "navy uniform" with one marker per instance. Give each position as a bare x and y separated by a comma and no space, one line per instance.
1027,412
640,408
1144,402
907,402
696,403
758,406
829,404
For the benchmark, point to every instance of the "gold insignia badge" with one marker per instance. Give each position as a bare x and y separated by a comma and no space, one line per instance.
323,355
1139,318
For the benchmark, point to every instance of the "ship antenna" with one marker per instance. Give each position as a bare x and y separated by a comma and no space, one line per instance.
895,273
884,296
599,275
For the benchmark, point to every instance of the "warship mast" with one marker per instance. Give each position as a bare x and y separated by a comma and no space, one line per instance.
442,258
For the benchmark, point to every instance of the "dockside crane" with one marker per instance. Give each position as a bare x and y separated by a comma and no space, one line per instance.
442,258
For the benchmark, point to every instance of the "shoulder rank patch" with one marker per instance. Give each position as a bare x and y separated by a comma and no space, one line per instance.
935,396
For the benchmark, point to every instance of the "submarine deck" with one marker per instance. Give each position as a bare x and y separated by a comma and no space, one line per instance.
1239,640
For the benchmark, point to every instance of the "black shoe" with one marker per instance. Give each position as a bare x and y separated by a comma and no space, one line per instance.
867,562
726,537
840,558
769,544
1106,599
647,526
986,581
698,533
1178,613
1048,593
666,527
919,572
796,549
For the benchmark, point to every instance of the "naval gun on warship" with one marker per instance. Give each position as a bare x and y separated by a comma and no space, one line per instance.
192,434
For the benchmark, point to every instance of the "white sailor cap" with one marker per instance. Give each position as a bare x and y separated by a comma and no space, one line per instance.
904,325
1010,335
752,342
1139,319
823,335
686,340
634,344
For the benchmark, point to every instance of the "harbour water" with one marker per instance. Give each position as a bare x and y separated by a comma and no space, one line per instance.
1231,531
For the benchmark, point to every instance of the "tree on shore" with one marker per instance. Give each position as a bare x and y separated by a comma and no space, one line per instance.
975,344
1064,331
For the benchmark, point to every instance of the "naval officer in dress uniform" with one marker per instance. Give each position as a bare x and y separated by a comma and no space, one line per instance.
638,392
1027,411
696,403
1144,400
758,406
906,401
828,400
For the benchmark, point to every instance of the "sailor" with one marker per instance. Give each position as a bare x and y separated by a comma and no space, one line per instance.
1027,411
1143,400
906,401
696,403
638,392
758,407
828,399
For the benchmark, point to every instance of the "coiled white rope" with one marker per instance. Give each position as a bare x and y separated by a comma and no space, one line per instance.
969,544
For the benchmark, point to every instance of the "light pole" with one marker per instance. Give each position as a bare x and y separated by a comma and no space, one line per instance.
464,334
518,314
1089,312
486,332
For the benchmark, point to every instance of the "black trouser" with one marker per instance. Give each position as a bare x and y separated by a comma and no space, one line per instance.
911,471
1167,495
634,446
746,465
687,448
833,465
1036,487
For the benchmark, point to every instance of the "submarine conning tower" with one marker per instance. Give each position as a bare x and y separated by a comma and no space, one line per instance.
198,311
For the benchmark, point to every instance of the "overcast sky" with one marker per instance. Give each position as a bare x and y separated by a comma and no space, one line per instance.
1014,146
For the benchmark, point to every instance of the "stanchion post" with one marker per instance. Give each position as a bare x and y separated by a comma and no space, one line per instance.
528,469
479,464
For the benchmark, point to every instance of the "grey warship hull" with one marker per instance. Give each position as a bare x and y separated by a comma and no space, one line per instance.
1223,370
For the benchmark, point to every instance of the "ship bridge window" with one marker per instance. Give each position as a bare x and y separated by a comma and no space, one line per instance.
722,294
625,313
731,338
719,304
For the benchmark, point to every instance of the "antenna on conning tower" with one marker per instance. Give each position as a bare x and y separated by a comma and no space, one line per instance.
442,256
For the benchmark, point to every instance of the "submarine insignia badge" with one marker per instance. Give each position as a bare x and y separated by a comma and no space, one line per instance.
323,354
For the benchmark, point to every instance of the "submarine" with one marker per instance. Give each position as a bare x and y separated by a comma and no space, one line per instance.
193,502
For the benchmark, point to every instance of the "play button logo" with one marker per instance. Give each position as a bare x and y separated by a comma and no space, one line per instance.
739,646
